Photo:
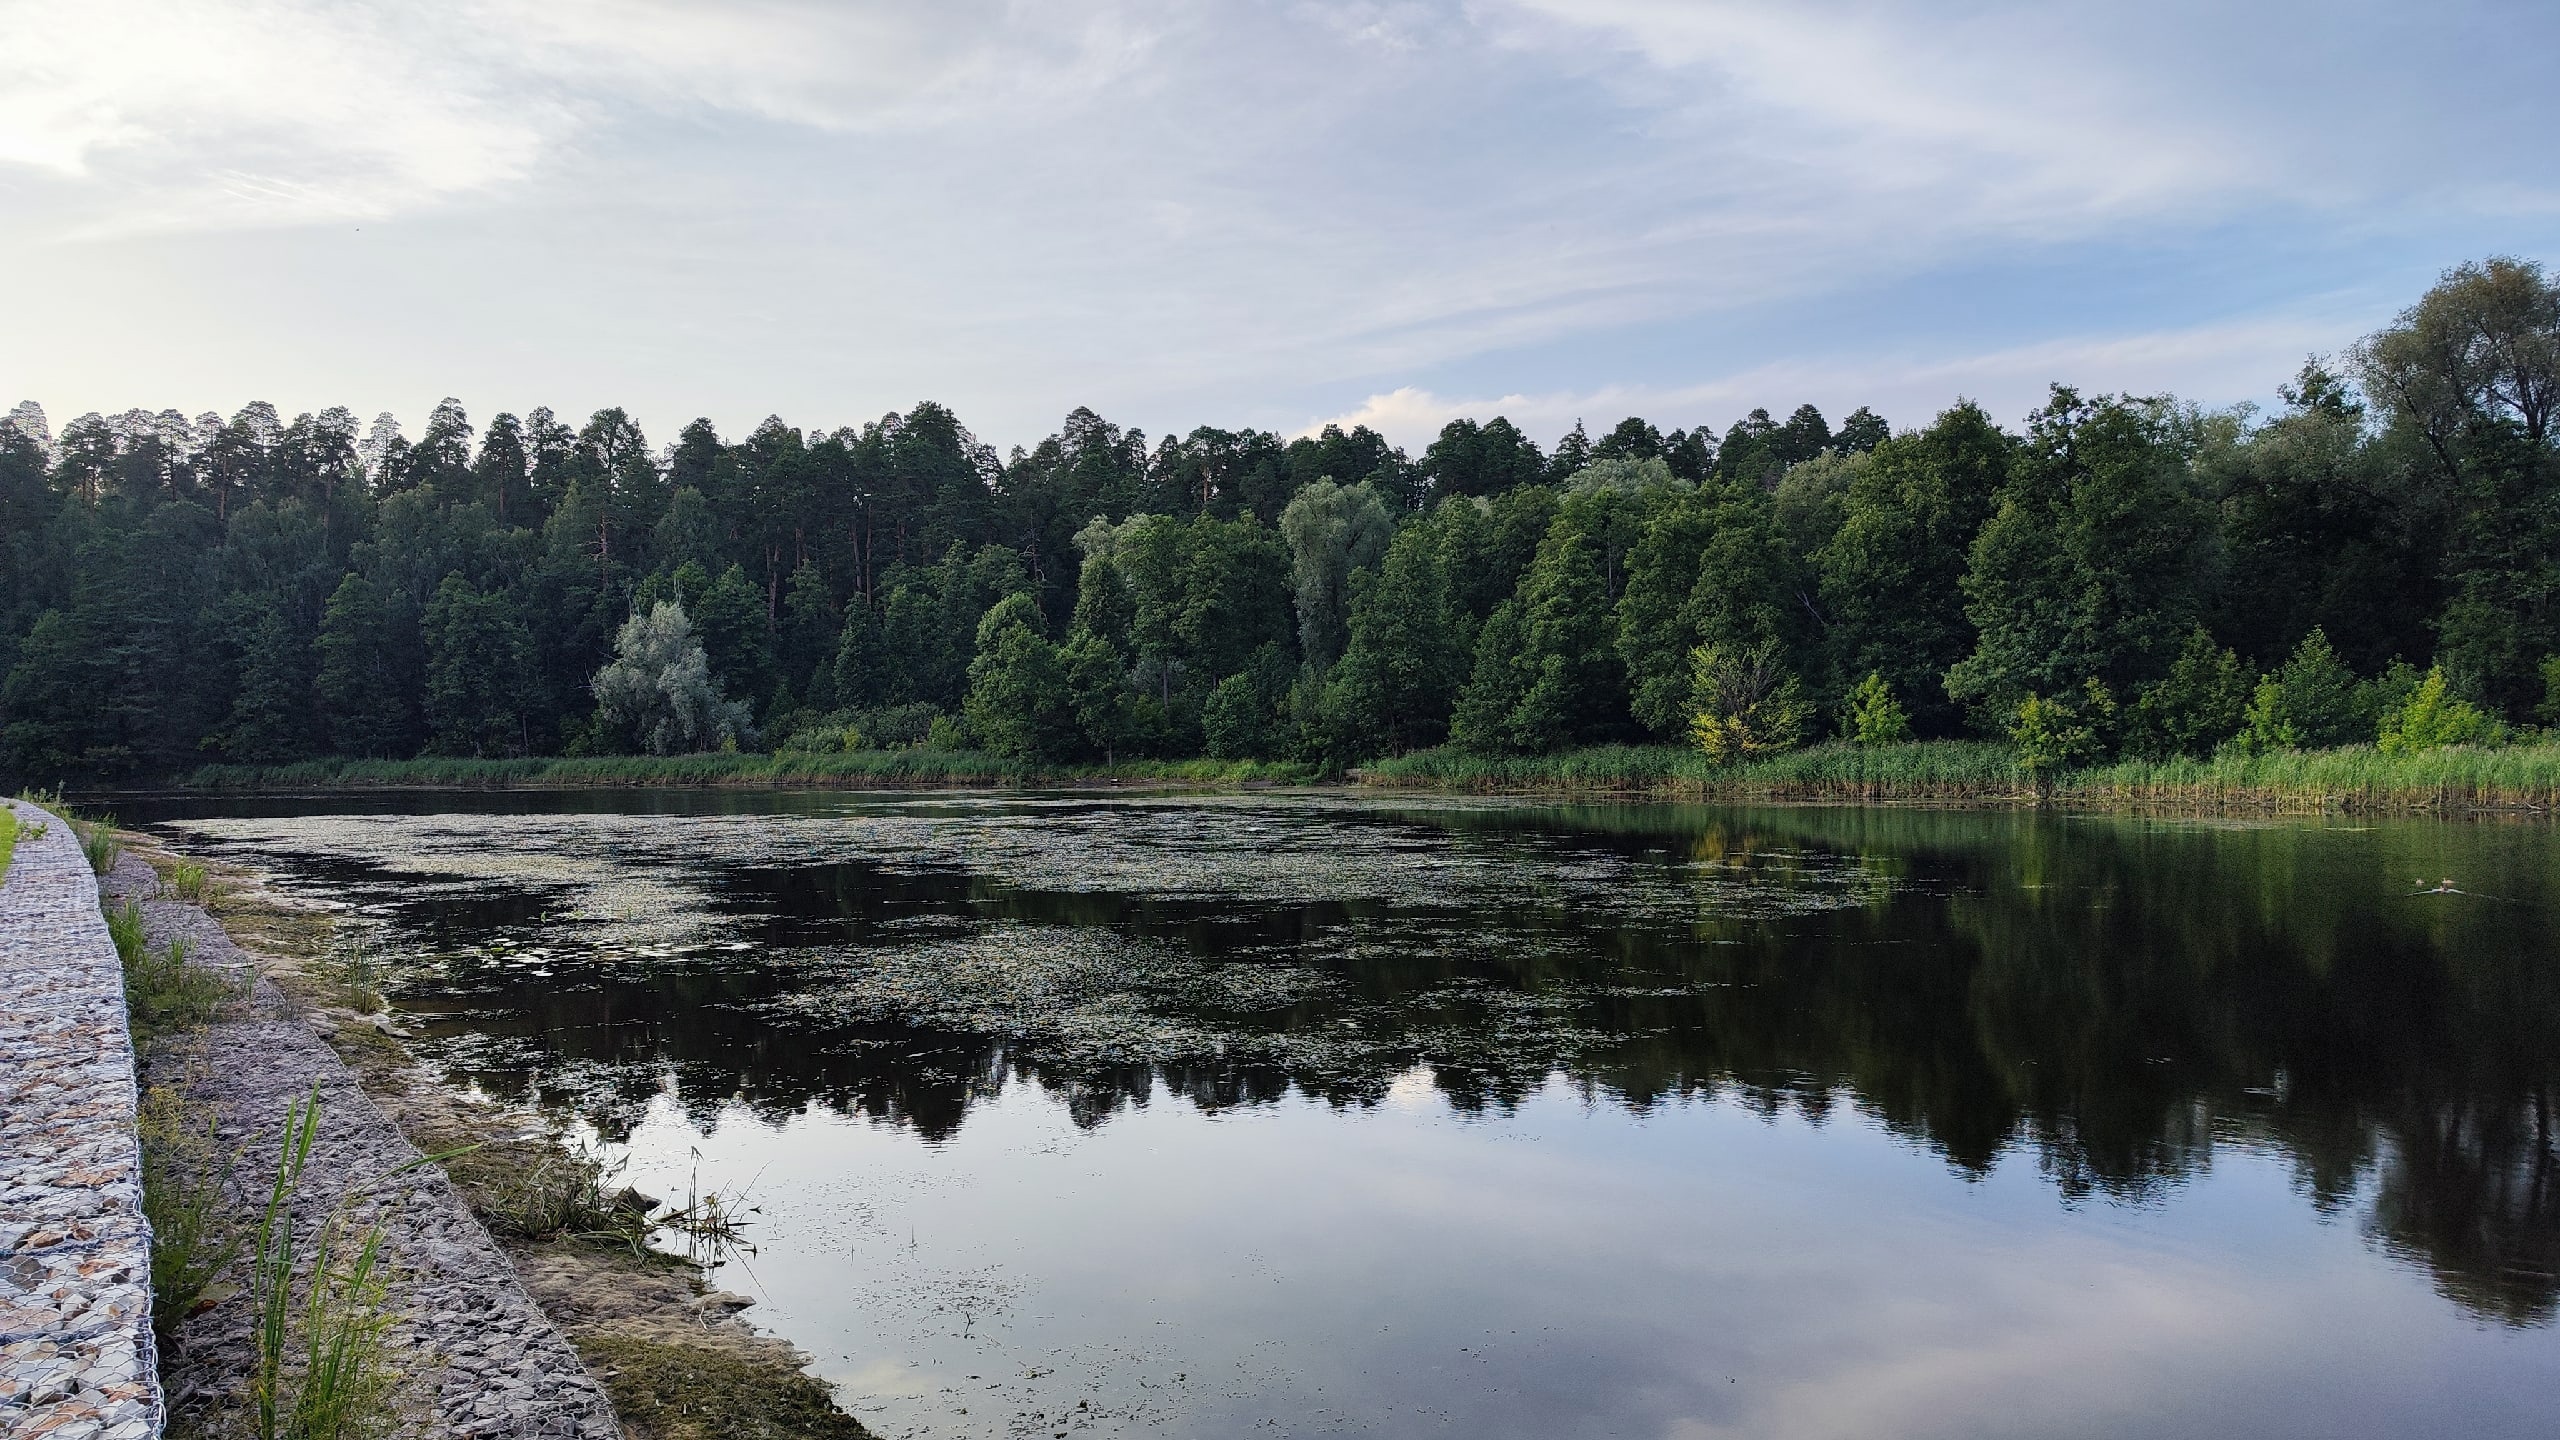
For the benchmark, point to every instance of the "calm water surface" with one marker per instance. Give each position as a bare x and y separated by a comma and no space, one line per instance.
1343,1115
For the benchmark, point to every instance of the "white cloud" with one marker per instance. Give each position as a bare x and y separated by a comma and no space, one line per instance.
189,113
2218,364
1182,212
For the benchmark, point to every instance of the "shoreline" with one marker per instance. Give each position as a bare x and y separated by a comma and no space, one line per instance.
675,1358
2519,780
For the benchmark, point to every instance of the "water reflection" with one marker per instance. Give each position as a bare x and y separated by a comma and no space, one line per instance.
2121,999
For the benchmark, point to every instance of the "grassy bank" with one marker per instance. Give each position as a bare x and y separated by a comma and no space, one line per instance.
2352,778
8,838
1922,770
849,769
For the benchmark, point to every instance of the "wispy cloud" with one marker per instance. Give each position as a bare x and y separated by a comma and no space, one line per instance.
2216,363
194,113
1182,212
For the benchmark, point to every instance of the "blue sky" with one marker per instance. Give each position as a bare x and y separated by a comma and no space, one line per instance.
1180,212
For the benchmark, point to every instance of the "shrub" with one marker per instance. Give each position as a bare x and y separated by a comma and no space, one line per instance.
2311,702
658,688
1875,717
2050,734
2433,718
98,842
1746,703
2195,707
1237,720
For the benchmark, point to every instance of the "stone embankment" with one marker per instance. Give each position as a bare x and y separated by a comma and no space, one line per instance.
480,1358
76,1359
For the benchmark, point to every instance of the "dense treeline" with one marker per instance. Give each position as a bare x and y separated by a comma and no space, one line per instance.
2126,575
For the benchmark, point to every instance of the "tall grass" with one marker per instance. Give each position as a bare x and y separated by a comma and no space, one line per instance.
341,1383
191,884
844,769
162,992
2352,778
184,1186
1927,769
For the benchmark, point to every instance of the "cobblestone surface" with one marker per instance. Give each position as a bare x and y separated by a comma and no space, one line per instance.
76,1361
483,1360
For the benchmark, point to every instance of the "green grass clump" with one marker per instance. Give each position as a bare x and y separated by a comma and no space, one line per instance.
341,1385
8,839
98,842
537,1189
190,883
667,1391
162,992
844,769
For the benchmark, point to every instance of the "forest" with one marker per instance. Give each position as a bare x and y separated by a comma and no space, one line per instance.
2376,562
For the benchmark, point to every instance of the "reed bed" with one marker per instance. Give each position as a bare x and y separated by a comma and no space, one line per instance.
1921,770
845,769
2355,778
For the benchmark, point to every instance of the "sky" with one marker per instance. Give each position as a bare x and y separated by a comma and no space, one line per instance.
1273,213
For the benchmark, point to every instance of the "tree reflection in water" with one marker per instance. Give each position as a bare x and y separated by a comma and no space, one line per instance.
2122,997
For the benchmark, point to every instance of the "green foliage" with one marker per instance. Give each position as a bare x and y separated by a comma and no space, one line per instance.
341,1388
163,992
8,839
2310,702
1710,567
479,664
2548,711
2433,718
2202,702
2465,376
1927,769
268,592
2049,735
1399,676
1018,704
658,689
1333,531
2093,565
1553,660
1747,705
1889,575
1874,716
372,669
2354,778
185,1185
272,715
98,841
190,883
